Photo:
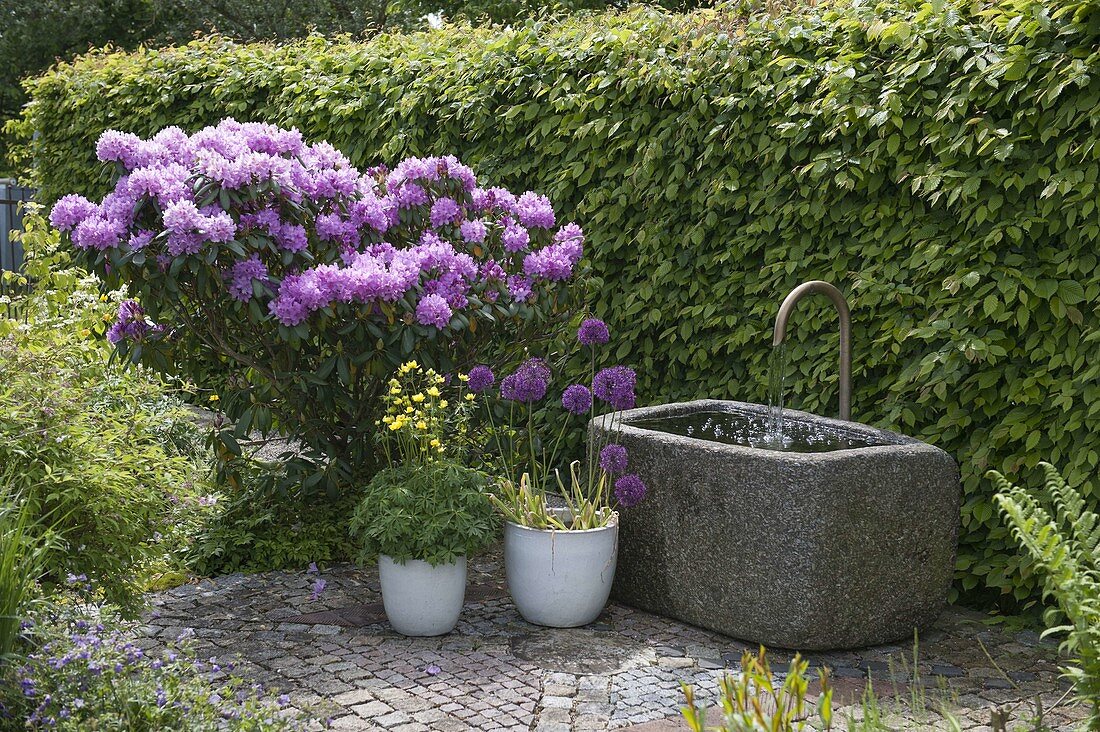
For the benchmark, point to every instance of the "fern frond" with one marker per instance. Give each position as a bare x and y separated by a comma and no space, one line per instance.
1074,515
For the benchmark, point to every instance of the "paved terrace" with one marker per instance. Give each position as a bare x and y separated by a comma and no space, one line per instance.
337,659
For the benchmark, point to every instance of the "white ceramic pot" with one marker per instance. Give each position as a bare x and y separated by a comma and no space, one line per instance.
561,579
421,599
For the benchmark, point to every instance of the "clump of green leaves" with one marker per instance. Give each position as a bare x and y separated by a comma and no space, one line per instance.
434,512
1061,533
254,527
22,561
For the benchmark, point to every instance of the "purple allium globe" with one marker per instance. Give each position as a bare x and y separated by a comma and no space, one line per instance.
529,382
615,385
629,490
480,379
593,332
613,459
577,399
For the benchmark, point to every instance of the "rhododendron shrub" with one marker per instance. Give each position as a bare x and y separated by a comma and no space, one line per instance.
295,284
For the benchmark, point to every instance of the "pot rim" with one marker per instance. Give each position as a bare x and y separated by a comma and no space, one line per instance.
613,525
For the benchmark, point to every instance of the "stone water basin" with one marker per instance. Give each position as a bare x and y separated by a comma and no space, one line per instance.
845,538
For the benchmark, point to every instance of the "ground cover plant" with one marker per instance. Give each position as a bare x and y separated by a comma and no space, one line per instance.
935,160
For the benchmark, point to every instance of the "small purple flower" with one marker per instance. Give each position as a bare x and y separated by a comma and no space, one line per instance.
577,399
592,332
629,490
480,379
318,587
313,568
283,700
613,459
432,669
529,382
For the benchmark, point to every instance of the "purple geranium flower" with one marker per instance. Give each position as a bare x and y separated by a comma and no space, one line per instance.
613,459
592,332
577,399
629,490
480,379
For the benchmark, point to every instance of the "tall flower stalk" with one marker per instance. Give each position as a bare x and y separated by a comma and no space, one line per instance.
592,493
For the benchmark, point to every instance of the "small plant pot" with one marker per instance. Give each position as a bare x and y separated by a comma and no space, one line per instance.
560,579
422,600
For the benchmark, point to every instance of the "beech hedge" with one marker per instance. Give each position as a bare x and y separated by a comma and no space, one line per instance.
938,161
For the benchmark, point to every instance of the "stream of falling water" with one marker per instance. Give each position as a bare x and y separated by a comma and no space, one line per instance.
777,365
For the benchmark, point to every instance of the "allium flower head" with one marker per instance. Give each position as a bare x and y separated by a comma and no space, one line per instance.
529,382
629,490
577,399
613,459
593,332
615,385
480,379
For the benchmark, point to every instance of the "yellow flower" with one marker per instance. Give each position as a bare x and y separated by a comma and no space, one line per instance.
418,398
469,397
434,443
434,392
387,419
395,425
214,397
395,390
408,410
103,298
463,377
443,404
422,425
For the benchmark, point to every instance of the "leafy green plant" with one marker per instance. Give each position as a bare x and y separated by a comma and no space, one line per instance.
23,552
432,512
254,528
753,701
1061,533
100,457
926,157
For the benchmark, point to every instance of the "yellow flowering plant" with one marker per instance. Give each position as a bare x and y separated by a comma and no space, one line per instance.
425,504
425,417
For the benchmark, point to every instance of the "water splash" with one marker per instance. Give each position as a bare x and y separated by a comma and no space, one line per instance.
777,367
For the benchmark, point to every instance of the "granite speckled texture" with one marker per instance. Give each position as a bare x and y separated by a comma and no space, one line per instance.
812,551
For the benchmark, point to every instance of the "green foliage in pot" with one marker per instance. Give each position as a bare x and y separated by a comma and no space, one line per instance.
434,513
426,504
1061,534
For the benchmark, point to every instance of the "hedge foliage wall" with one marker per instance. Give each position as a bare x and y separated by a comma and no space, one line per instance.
938,163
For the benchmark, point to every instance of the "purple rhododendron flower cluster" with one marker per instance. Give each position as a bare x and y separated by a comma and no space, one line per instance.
129,324
260,204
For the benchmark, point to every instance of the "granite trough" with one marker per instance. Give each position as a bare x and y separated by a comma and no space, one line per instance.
848,543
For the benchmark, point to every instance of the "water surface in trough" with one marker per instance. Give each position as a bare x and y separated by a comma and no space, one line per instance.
747,430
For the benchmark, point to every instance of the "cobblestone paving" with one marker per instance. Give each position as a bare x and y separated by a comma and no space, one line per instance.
337,658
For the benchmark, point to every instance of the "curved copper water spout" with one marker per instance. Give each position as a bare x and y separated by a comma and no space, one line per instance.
780,333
